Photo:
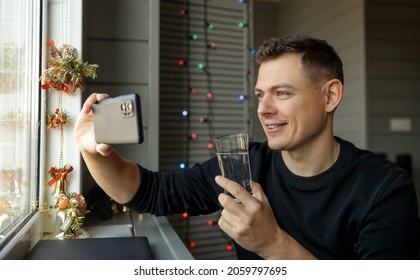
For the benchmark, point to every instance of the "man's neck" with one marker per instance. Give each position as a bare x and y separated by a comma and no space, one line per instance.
313,158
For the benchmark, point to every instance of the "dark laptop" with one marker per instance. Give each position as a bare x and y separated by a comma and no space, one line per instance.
114,248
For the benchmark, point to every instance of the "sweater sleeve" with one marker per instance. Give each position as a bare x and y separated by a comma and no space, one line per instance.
190,190
392,228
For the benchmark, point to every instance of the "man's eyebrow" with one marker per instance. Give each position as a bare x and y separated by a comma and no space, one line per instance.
277,86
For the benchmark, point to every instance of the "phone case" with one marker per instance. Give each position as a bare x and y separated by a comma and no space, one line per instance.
117,120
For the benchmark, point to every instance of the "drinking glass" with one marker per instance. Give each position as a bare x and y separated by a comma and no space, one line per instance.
233,156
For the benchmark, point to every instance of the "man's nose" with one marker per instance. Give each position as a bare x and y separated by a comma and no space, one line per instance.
266,106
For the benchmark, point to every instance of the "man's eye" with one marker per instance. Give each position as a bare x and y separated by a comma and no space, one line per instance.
282,93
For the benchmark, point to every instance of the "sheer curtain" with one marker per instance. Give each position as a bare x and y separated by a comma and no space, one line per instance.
19,120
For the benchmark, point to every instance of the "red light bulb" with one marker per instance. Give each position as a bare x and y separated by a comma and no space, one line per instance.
185,215
181,62
211,45
210,146
209,95
192,244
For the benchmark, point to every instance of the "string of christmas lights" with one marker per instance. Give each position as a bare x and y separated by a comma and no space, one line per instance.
210,95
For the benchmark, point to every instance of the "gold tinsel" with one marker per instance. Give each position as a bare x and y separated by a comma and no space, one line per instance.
66,71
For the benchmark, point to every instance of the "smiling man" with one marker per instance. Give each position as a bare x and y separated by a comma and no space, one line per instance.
315,195
296,111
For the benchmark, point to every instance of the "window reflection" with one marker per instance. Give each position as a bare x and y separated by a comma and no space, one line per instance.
18,95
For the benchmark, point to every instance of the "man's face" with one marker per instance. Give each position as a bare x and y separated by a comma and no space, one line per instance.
291,107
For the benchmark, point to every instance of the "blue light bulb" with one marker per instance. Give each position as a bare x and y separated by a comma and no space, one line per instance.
241,97
185,113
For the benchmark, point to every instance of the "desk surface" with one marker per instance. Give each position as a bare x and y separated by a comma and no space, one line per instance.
164,242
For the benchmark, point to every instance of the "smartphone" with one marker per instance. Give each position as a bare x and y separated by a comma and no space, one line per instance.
118,120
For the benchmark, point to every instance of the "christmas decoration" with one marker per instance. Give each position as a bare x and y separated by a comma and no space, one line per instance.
242,25
59,176
71,211
57,119
66,71
65,74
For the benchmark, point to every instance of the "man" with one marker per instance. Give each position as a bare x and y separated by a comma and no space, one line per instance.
315,196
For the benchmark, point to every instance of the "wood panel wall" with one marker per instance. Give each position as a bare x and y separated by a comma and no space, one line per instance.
393,78
118,37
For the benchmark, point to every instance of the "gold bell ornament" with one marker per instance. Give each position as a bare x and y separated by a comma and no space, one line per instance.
60,188
60,179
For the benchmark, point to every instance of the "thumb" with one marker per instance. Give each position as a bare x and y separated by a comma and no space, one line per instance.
103,149
102,96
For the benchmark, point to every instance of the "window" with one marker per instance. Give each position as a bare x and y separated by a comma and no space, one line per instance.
19,120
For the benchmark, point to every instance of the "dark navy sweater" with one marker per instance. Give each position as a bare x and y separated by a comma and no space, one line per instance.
362,207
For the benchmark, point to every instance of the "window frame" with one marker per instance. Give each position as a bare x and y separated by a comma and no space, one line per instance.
49,26
17,241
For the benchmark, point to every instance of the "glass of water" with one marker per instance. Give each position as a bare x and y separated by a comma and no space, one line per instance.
232,153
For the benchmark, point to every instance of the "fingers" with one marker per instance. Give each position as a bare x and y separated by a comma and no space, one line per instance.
240,212
258,192
92,99
225,225
83,130
234,188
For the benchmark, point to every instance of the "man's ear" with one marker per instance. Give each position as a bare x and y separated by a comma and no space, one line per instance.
333,91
